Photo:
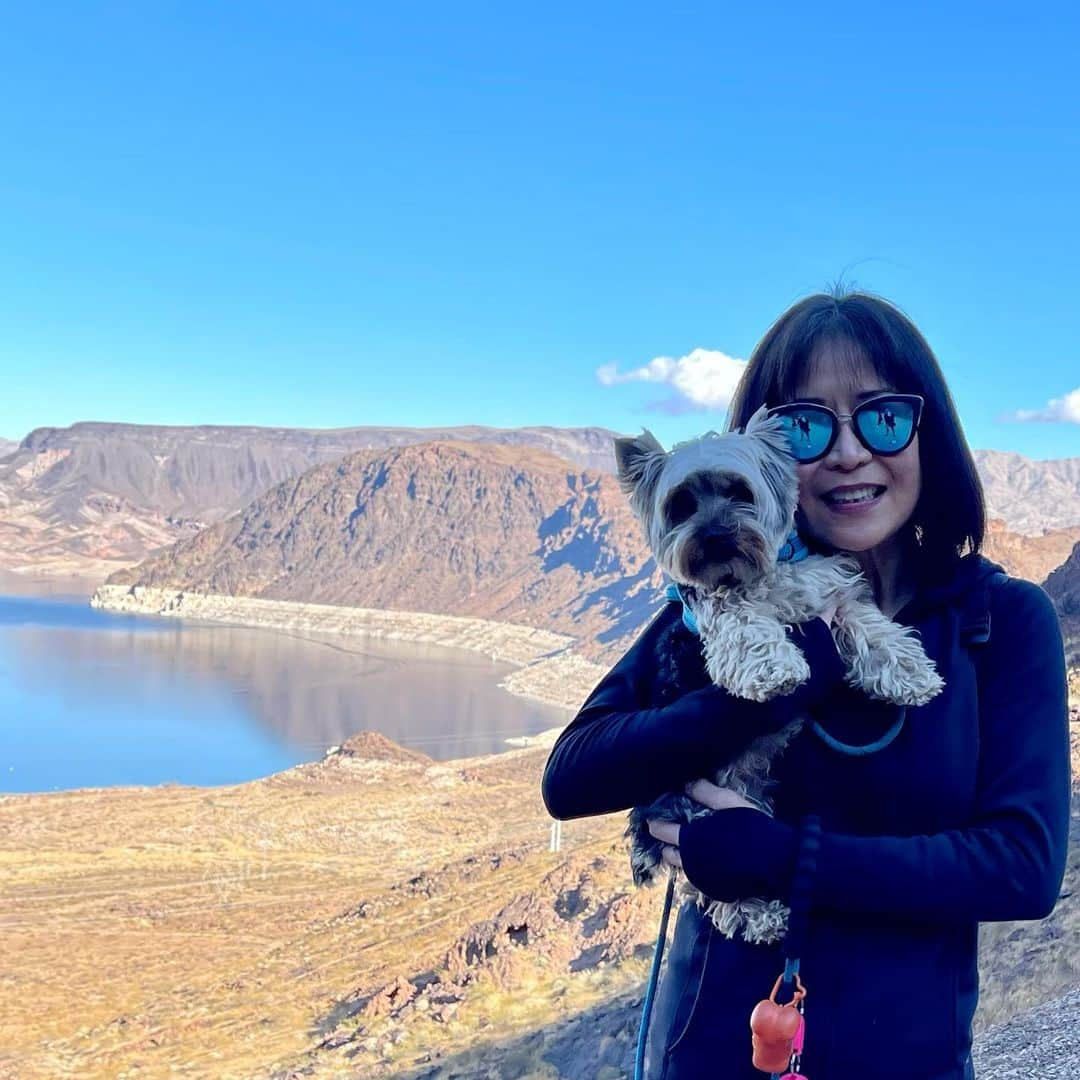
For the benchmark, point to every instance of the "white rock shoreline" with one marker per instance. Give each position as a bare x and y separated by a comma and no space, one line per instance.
547,671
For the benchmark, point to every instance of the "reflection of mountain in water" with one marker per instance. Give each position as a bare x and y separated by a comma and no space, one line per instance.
297,694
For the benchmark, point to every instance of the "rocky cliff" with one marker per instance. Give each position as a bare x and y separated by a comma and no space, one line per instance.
1031,557
495,532
1030,496
1063,587
75,499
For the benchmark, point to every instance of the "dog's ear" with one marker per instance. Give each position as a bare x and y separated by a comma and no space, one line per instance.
778,472
636,459
770,429
777,464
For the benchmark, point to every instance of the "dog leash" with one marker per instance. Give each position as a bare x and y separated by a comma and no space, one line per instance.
777,1038
654,977
792,550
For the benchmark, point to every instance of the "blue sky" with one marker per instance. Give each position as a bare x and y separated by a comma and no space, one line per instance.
329,215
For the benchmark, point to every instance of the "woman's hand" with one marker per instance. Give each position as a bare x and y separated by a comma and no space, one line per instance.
706,793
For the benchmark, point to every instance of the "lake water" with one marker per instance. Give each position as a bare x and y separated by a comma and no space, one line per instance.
90,699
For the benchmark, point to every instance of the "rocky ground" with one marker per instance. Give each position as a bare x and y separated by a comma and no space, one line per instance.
357,910
374,914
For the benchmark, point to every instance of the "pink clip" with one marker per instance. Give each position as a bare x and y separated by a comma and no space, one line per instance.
796,1048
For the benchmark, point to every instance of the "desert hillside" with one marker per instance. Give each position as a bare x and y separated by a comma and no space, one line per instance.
1063,587
1030,496
465,529
371,915
470,529
1031,557
93,496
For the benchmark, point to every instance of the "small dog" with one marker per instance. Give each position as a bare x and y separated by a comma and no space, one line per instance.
716,512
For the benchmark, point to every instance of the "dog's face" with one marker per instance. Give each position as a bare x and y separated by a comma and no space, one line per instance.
715,510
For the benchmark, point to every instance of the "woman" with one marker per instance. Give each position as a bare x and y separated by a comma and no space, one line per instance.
962,813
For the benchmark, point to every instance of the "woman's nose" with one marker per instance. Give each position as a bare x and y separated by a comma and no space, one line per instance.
847,452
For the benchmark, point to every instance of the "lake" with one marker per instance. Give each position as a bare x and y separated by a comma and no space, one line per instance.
93,699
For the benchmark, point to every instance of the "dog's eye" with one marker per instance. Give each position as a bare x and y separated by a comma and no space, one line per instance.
681,507
741,492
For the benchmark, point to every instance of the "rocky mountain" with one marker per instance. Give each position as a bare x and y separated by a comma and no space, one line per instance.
499,532
1030,496
1029,557
7,447
1063,587
82,497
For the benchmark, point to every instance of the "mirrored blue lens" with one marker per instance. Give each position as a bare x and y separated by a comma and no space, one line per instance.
886,424
809,431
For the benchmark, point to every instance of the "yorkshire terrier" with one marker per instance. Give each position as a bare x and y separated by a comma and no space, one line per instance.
716,512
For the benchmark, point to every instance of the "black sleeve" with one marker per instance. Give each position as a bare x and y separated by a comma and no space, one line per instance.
618,752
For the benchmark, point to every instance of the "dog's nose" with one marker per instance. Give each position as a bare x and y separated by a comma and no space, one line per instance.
718,544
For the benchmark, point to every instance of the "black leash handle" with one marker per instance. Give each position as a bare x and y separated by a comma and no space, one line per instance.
809,845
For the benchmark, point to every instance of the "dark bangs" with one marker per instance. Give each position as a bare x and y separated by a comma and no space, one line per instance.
853,329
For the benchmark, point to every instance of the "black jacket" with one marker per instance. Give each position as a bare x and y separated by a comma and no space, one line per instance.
963,818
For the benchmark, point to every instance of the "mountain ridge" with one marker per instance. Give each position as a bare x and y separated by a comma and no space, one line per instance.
1032,496
77,499
96,496
472,529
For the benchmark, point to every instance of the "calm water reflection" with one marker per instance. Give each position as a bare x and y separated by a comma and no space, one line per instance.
89,699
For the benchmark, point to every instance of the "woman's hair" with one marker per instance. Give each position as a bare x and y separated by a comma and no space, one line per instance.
852,329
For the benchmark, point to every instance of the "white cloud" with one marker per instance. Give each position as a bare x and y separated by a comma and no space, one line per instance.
705,377
1063,409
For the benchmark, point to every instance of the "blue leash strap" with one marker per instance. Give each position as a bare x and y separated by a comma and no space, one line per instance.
792,550
809,844
654,975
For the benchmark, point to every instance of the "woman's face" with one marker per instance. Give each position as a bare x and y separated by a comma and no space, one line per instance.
879,493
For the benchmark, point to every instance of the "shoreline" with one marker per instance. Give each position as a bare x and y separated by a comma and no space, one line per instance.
545,669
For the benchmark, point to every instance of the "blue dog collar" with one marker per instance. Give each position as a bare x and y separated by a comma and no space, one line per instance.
793,550
673,592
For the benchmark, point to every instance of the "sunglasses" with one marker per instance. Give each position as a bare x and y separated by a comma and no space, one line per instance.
885,425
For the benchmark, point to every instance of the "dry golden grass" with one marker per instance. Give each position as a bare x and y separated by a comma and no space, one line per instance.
239,932
191,931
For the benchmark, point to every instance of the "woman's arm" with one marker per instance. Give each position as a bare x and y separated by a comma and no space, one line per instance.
618,752
1008,864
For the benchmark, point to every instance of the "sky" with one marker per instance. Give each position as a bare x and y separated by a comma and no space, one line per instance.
329,215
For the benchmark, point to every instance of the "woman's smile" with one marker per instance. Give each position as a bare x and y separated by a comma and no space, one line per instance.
854,499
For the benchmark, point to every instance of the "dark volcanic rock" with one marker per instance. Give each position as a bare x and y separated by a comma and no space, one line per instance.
1063,587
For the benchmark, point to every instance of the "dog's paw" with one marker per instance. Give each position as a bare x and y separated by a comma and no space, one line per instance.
762,677
918,685
901,673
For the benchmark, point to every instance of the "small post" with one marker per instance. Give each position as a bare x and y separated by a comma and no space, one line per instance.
556,835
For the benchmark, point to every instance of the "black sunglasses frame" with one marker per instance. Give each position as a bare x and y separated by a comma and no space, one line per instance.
915,400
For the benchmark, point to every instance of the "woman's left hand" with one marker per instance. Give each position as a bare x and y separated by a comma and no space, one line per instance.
706,793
